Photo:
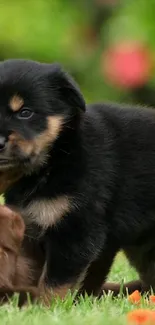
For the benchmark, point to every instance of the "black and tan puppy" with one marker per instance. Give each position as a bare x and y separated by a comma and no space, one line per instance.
87,177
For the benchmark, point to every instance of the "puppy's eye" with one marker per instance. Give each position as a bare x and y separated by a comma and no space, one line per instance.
25,113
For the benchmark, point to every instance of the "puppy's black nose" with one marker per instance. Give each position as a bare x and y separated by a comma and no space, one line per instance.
2,142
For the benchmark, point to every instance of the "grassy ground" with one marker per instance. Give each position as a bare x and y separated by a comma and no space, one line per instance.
88,311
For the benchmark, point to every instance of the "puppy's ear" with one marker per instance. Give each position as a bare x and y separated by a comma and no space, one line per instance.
64,87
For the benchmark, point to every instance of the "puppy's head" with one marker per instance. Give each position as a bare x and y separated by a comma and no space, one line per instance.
36,101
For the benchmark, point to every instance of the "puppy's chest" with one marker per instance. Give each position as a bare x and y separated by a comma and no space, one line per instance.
45,212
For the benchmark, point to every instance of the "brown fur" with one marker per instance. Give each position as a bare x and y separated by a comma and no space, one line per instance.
16,272
19,273
11,236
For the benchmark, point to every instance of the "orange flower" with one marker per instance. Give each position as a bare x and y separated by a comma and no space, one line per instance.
135,297
141,316
152,299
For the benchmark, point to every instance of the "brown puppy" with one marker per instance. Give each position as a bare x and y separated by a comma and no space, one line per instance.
16,271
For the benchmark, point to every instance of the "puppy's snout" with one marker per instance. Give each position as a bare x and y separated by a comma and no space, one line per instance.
3,142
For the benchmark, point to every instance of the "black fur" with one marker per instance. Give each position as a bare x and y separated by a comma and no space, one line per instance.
104,159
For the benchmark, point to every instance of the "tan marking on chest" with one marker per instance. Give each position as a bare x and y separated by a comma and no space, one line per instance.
16,102
47,212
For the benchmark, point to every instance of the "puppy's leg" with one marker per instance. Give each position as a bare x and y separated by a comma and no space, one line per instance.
93,278
144,262
94,282
97,272
143,259
89,280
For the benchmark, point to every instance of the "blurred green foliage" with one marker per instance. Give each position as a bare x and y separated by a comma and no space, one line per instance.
76,34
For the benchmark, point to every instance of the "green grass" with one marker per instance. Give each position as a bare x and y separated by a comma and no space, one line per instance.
1,199
89,311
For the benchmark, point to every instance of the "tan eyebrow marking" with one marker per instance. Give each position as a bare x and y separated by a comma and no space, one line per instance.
16,102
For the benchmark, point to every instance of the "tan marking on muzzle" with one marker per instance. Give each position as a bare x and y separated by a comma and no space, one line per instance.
16,102
42,141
